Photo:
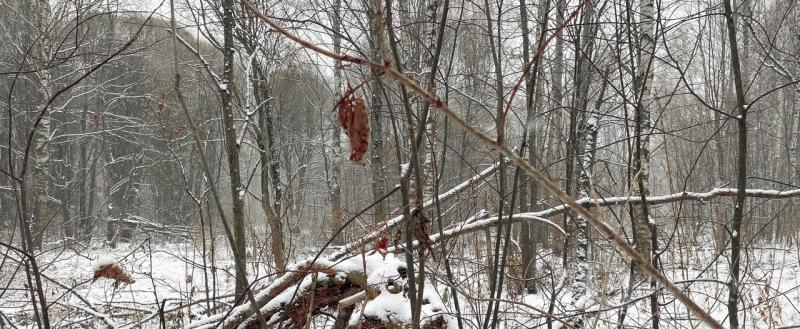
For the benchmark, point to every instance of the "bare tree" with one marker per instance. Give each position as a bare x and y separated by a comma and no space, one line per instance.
741,171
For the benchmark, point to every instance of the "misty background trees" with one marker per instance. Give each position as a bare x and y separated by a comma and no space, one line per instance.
196,123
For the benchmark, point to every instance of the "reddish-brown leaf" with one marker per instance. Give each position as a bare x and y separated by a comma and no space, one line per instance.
354,120
359,132
113,272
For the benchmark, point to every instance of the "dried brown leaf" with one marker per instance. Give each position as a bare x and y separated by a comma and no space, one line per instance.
113,272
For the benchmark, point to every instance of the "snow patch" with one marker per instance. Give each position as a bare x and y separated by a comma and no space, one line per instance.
102,261
404,169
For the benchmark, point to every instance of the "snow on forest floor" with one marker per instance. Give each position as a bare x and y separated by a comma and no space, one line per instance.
770,291
771,295
175,270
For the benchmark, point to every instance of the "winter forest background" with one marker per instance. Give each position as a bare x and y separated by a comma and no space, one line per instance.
399,164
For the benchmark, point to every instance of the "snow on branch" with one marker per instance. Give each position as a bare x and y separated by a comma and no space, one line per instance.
399,219
206,65
482,220
669,198
481,223
294,273
95,313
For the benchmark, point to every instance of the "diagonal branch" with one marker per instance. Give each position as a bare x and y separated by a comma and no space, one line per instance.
206,65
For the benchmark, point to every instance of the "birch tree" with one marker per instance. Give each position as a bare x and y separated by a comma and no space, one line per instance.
643,225
41,193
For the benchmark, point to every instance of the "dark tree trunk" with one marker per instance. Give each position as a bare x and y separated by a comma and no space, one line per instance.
231,148
741,172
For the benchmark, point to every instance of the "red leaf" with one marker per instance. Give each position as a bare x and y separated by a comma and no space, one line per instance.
382,243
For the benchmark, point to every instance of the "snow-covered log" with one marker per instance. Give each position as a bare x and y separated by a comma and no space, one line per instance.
131,223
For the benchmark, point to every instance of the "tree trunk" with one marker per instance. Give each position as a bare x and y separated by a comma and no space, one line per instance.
721,161
83,190
277,244
587,139
335,157
741,171
527,235
430,63
64,175
274,164
231,148
41,172
557,96
642,233
41,154
378,182
584,184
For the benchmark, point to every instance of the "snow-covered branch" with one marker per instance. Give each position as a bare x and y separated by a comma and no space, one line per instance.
400,219
248,116
206,65
481,222
669,198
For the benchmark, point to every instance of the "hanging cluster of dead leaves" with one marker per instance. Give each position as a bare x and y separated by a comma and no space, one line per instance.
353,119
114,272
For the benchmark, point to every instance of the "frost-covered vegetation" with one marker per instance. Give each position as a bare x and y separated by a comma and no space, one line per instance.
399,164
170,278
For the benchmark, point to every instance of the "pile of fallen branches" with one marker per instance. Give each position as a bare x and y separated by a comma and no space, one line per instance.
367,291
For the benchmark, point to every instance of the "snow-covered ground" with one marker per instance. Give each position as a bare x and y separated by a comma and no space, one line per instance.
171,272
770,291
171,276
